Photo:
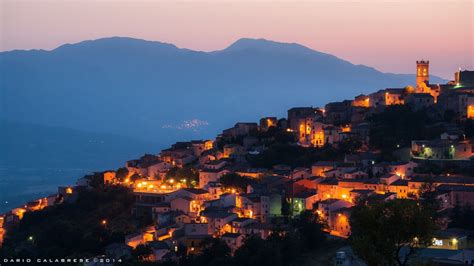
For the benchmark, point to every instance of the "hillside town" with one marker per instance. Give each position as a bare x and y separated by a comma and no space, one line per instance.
321,160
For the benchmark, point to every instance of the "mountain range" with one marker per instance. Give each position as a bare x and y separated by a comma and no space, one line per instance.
158,92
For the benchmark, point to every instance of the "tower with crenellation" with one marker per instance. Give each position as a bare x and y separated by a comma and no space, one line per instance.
422,74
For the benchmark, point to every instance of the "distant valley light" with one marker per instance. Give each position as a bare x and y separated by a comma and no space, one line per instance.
193,124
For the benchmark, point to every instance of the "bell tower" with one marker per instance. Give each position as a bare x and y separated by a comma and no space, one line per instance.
422,73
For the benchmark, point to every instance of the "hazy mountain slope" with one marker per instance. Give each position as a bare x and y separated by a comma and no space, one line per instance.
25,145
147,89
35,159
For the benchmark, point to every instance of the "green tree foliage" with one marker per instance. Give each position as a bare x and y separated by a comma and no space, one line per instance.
135,177
188,172
257,251
293,155
310,230
96,180
277,135
215,252
428,198
408,90
73,229
236,181
350,145
399,125
469,128
449,116
283,247
141,253
286,209
121,173
387,232
462,217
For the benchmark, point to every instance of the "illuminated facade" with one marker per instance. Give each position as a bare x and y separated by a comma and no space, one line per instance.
311,132
441,149
267,122
394,97
361,101
422,73
470,111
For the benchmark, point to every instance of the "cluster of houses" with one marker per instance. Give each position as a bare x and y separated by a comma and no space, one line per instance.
186,212
338,121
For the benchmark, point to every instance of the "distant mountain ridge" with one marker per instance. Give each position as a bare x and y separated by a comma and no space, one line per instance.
137,88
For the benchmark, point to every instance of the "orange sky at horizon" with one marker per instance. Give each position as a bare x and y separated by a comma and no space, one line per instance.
387,35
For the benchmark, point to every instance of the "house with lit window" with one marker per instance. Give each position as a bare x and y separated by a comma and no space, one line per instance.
233,151
187,205
327,208
389,96
254,206
239,223
304,200
442,149
135,239
327,188
318,168
361,101
402,169
200,146
267,122
453,239
218,221
298,115
399,187
338,222
458,101
263,230
211,175
355,174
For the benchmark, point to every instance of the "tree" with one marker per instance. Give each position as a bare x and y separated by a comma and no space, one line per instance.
398,126
462,217
96,180
388,232
449,115
74,229
310,230
135,177
235,181
215,252
428,197
257,251
350,145
469,129
141,252
408,90
121,174
187,173
286,209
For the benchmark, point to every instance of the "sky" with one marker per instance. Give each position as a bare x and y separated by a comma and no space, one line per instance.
387,35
